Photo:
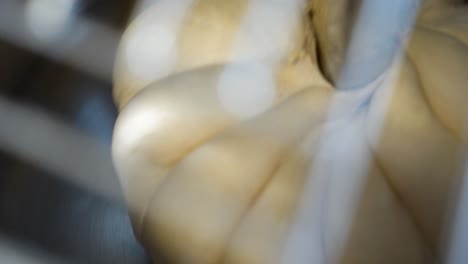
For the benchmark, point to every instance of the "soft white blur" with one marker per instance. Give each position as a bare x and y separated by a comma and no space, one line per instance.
49,19
457,222
333,187
267,30
87,46
151,52
456,246
249,88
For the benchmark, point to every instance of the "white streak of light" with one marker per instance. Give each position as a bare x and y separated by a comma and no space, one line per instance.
457,253
87,46
58,148
306,242
339,170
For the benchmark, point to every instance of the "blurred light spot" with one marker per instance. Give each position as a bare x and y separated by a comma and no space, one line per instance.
136,124
268,30
247,89
48,19
152,51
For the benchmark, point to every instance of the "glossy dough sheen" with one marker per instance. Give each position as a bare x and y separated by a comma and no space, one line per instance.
206,186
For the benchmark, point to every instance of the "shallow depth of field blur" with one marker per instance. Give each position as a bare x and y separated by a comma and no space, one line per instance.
60,200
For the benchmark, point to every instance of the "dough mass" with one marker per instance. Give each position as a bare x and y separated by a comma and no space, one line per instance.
205,185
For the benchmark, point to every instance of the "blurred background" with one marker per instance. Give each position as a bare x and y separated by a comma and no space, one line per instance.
56,60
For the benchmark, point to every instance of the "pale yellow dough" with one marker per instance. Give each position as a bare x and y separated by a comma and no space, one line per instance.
206,186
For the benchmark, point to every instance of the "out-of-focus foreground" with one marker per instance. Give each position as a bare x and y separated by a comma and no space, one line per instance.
60,201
